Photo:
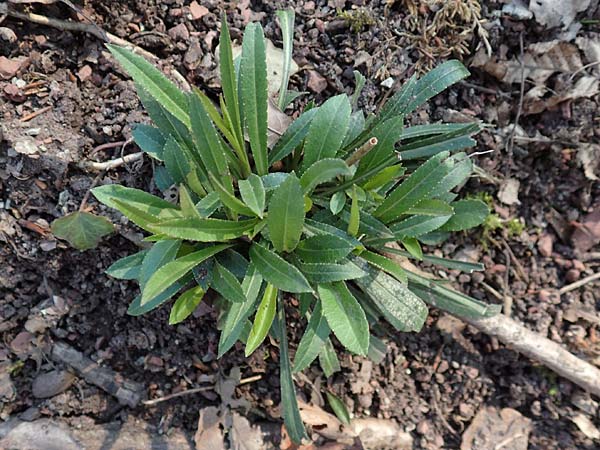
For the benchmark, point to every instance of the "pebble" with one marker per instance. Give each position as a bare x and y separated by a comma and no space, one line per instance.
51,383
179,32
423,427
572,275
545,245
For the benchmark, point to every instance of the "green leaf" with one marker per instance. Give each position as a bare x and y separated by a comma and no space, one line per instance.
338,407
208,145
149,203
185,305
330,272
387,134
138,216
327,130
328,359
228,199
136,308
397,104
188,208
467,214
127,268
323,171
345,316
278,271
383,263
313,227
323,249
174,270
400,307
153,81
162,178
229,80
414,189
263,319
384,176
414,248
313,340
253,81
238,313
462,167
150,139
431,129
253,194
292,137
431,207
359,83
337,202
204,230
286,215
416,226
454,302
445,144
436,81
83,230
355,127
286,23
208,205
226,284
290,412
456,264
354,221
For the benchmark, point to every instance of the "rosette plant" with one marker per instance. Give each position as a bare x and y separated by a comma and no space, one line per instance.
306,218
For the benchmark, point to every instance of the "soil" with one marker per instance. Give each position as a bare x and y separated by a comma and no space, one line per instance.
432,383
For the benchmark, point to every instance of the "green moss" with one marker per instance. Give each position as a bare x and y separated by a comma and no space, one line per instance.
357,18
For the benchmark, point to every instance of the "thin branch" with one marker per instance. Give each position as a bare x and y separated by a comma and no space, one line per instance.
511,139
578,284
112,164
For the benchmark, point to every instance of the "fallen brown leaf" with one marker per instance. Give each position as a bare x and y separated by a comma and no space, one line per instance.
587,233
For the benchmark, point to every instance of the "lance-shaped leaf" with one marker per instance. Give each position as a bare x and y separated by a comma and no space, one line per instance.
313,340
188,208
185,305
263,319
467,214
228,198
387,134
286,215
226,284
330,272
345,316
150,139
292,137
327,130
290,411
229,81
323,171
339,408
253,81
204,230
432,207
414,189
83,230
153,81
383,263
177,160
278,271
328,359
253,194
323,249
354,220
400,307
151,204
127,268
416,226
174,270
235,319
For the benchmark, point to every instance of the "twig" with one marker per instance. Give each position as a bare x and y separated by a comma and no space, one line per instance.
107,146
89,191
511,139
486,90
508,301
578,284
520,270
34,114
112,164
195,391
361,151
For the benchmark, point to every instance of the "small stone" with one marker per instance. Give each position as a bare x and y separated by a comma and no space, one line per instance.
578,265
49,384
466,410
423,427
8,35
27,147
176,12
84,73
179,32
572,275
30,414
198,11
472,372
549,296
316,82
10,67
309,6
544,245
443,367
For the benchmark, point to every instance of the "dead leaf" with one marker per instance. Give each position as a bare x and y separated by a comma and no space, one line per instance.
553,13
540,61
277,121
381,433
327,425
590,46
586,426
509,192
588,157
493,428
243,436
209,435
587,233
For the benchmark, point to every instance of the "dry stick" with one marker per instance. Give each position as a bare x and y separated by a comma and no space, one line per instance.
511,139
34,114
195,391
112,164
535,346
577,284
361,151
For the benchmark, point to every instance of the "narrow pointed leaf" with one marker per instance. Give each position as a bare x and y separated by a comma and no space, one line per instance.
150,139
229,199
278,271
383,263
226,284
177,161
292,137
263,319
174,270
229,80
286,23
467,214
188,208
345,316
323,249
416,226
413,247
185,305
323,171
354,220
204,230
127,268
286,215
338,408
328,359
313,340
253,194
330,272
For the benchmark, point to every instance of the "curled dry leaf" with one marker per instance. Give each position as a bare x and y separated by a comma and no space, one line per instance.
587,233
588,157
554,13
509,192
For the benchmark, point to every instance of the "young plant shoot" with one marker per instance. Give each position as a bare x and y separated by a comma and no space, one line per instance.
312,217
